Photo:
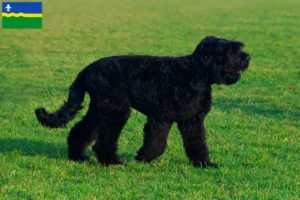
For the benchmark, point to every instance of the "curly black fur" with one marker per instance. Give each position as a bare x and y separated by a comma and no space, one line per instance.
165,89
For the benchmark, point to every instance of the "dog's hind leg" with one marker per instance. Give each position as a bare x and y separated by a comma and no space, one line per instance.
155,139
82,134
107,140
193,135
114,111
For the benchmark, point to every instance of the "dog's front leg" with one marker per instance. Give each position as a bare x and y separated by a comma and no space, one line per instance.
193,135
155,139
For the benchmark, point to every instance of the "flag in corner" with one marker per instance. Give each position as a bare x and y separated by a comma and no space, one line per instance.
22,15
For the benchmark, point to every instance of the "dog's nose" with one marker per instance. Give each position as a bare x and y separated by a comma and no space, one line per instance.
248,58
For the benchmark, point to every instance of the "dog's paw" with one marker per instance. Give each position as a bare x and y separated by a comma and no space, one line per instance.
205,164
141,158
111,162
115,162
79,158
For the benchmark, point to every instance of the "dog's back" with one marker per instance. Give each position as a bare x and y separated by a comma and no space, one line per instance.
148,82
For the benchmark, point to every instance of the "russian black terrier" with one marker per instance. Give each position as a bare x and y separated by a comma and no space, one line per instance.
165,89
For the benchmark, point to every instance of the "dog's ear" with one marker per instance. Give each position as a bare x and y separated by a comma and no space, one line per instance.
236,46
206,49
207,45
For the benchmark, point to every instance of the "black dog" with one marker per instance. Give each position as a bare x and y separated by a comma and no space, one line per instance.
165,89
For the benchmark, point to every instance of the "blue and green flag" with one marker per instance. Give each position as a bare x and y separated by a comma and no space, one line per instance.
22,15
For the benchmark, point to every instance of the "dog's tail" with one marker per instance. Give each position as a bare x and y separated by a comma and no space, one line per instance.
68,111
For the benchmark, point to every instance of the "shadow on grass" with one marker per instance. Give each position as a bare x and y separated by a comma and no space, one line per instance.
257,107
33,148
127,156
28,147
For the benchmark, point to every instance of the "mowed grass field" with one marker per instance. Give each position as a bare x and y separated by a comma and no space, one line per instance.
252,129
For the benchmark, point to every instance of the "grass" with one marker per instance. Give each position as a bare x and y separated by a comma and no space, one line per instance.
252,130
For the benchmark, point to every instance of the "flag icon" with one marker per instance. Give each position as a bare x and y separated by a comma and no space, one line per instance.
22,15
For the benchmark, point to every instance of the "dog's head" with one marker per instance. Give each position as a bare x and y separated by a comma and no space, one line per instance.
223,59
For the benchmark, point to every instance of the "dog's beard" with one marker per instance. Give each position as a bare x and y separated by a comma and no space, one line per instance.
231,78
226,78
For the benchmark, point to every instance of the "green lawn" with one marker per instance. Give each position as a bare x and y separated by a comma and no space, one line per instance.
252,129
